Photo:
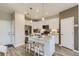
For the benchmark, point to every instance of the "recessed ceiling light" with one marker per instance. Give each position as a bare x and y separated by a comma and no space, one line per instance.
43,19
31,21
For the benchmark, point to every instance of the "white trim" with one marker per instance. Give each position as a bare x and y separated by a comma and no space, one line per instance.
17,45
76,51
60,45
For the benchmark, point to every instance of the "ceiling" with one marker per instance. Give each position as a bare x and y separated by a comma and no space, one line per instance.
38,9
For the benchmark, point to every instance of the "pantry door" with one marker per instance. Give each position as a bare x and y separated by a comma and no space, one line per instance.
67,32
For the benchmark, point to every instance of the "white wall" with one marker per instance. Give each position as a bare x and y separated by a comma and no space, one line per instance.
5,30
19,29
16,27
5,16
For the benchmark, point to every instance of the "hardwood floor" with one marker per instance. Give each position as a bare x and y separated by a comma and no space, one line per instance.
65,52
60,51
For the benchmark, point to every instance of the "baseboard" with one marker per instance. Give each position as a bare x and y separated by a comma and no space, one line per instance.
76,51
60,45
19,44
72,50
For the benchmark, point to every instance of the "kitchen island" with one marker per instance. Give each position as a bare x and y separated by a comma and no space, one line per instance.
48,42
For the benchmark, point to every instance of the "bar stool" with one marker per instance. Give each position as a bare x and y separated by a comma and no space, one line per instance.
39,48
30,46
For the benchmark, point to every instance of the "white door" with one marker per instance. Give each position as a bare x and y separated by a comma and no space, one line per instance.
67,32
5,30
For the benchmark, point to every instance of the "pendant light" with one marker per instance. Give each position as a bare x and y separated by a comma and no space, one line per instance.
30,14
43,12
